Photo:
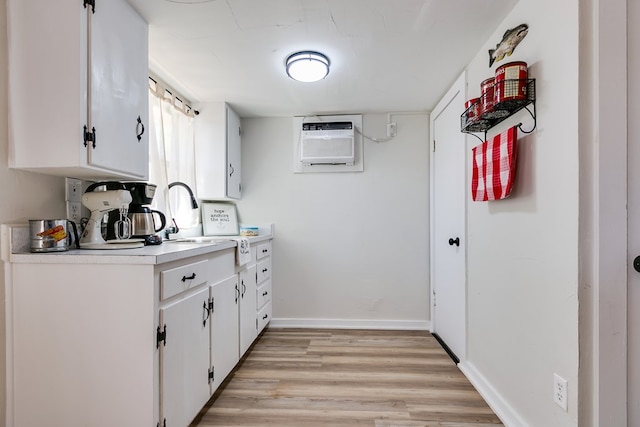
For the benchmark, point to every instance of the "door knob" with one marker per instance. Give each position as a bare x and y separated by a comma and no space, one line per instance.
636,264
454,242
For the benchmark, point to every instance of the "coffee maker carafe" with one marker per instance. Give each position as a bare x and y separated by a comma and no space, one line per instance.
143,218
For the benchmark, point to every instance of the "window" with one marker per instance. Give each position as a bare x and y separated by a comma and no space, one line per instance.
171,155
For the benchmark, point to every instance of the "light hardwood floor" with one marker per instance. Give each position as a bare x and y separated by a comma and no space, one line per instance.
344,378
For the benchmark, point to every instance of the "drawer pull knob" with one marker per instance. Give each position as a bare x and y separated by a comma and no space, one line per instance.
264,251
264,270
185,278
265,316
265,293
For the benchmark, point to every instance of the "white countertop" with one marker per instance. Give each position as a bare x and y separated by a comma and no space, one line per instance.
153,254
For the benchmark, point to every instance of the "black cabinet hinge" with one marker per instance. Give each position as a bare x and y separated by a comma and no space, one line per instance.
212,304
91,3
89,136
210,374
161,336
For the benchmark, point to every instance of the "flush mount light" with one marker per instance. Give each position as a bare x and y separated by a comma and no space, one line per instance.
307,66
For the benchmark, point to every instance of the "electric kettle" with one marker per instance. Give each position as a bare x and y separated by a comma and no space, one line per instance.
143,221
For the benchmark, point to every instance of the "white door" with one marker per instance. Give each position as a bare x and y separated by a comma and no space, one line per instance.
633,293
184,359
633,223
448,177
119,89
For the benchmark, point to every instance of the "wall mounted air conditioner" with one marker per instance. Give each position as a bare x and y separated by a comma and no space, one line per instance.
327,143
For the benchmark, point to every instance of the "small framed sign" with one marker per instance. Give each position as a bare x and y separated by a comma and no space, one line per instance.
219,219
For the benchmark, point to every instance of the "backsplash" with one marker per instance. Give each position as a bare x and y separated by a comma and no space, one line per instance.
19,239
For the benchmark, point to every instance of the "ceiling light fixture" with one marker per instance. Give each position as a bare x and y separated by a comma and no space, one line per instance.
307,66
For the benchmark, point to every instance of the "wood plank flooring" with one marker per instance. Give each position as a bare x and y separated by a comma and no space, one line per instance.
345,378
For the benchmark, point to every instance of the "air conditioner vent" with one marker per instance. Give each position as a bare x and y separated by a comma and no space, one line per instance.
327,143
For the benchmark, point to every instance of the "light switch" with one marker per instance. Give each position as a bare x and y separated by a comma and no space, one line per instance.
73,190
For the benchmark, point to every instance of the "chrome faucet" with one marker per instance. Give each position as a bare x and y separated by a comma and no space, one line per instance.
194,205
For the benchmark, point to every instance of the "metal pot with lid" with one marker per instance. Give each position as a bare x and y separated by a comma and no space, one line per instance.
52,235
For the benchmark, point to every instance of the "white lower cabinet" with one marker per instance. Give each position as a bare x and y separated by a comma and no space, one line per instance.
82,350
197,333
151,341
248,326
184,358
263,286
224,329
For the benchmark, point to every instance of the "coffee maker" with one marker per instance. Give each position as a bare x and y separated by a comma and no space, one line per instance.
143,222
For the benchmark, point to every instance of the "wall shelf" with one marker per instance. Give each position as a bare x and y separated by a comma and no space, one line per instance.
472,123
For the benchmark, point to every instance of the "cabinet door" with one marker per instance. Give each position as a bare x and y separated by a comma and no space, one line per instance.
47,44
224,329
184,359
248,327
234,171
119,89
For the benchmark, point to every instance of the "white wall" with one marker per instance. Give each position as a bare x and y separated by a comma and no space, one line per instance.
523,251
351,249
24,195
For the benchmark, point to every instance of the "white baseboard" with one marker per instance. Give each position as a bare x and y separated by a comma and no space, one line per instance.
401,325
507,414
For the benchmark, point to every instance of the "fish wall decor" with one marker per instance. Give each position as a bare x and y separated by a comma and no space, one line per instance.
509,42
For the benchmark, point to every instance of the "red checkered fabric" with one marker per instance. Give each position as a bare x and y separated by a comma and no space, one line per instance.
494,167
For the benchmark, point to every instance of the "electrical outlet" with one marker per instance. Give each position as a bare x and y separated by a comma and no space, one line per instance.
560,391
391,129
73,190
74,211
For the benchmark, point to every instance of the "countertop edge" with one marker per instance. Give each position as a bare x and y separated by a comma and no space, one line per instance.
148,255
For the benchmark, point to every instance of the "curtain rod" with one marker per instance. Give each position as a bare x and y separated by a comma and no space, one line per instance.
196,112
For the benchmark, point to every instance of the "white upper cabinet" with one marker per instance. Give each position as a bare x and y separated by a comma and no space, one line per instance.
218,152
74,67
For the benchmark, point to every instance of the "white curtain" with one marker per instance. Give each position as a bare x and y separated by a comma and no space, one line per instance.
172,156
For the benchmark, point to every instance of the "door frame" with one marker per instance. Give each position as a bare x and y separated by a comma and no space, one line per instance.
459,87
603,214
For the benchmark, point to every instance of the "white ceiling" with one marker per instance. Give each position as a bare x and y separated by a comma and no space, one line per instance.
386,55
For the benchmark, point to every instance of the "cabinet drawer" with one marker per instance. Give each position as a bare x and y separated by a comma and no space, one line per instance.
263,294
264,270
263,250
185,277
264,316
